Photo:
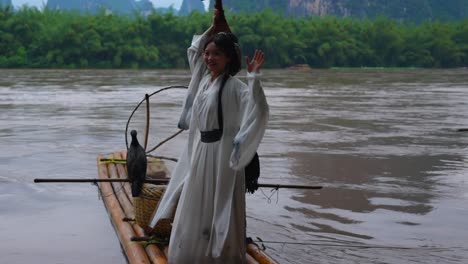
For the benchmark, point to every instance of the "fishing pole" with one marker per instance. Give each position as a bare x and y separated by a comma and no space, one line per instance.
165,181
339,244
305,243
82,180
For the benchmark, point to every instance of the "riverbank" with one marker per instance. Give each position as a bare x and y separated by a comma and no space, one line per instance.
47,39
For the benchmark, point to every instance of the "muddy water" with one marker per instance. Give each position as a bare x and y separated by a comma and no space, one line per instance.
384,144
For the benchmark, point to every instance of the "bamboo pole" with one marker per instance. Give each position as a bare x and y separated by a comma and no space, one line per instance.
134,252
155,255
259,255
122,170
250,259
165,181
119,190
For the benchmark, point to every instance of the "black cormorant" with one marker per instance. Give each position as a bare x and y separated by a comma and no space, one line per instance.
136,164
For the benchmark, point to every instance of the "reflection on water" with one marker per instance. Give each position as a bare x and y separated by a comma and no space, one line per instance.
383,143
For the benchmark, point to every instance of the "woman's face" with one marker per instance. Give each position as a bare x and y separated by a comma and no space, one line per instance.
215,59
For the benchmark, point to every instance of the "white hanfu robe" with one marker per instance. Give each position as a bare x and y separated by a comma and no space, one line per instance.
209,224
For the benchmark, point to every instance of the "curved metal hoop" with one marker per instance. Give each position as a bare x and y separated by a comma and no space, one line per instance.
138,105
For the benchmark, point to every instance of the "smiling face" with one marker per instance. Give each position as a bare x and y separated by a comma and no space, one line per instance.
215,59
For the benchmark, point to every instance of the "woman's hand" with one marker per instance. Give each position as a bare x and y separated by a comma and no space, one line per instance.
212,28
216,15
257,61
219,22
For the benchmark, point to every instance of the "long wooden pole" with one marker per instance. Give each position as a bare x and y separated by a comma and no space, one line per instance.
165,181
155,181
147,120
289,186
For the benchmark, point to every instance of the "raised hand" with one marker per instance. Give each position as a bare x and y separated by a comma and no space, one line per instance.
216,15
257,61
219,21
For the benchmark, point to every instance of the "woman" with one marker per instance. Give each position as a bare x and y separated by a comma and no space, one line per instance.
208,184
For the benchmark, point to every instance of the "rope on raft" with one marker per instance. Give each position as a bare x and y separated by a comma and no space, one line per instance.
101,194
273,192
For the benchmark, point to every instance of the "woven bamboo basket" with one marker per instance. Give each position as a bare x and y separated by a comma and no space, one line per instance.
145,206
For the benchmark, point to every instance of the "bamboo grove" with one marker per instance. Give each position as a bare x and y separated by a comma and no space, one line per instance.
31,38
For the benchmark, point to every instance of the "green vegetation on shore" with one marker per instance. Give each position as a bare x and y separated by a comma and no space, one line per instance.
30,38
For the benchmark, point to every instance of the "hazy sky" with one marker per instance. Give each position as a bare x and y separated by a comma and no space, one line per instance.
156,3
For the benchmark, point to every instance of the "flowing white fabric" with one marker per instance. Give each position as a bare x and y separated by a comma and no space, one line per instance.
208,182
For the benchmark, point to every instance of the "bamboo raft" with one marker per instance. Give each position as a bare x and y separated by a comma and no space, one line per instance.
118,201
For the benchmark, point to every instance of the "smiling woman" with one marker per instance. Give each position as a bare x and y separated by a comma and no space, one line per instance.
226,119
215,59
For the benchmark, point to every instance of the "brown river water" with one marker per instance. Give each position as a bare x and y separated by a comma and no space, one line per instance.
383,143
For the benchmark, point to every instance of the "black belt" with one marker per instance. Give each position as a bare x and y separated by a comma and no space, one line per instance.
211,136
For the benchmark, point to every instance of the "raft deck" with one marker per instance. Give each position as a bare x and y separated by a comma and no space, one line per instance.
118,201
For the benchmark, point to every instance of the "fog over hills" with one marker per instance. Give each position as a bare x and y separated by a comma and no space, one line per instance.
402,10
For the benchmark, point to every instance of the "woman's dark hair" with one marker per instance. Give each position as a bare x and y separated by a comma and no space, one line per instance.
229,44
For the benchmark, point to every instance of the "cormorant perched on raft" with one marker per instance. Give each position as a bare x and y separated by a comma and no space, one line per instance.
136,165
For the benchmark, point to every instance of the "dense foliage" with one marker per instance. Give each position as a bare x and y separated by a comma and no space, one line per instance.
52,39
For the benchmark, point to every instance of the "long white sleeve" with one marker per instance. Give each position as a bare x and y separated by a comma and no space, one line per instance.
174,188
255,113
198,70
